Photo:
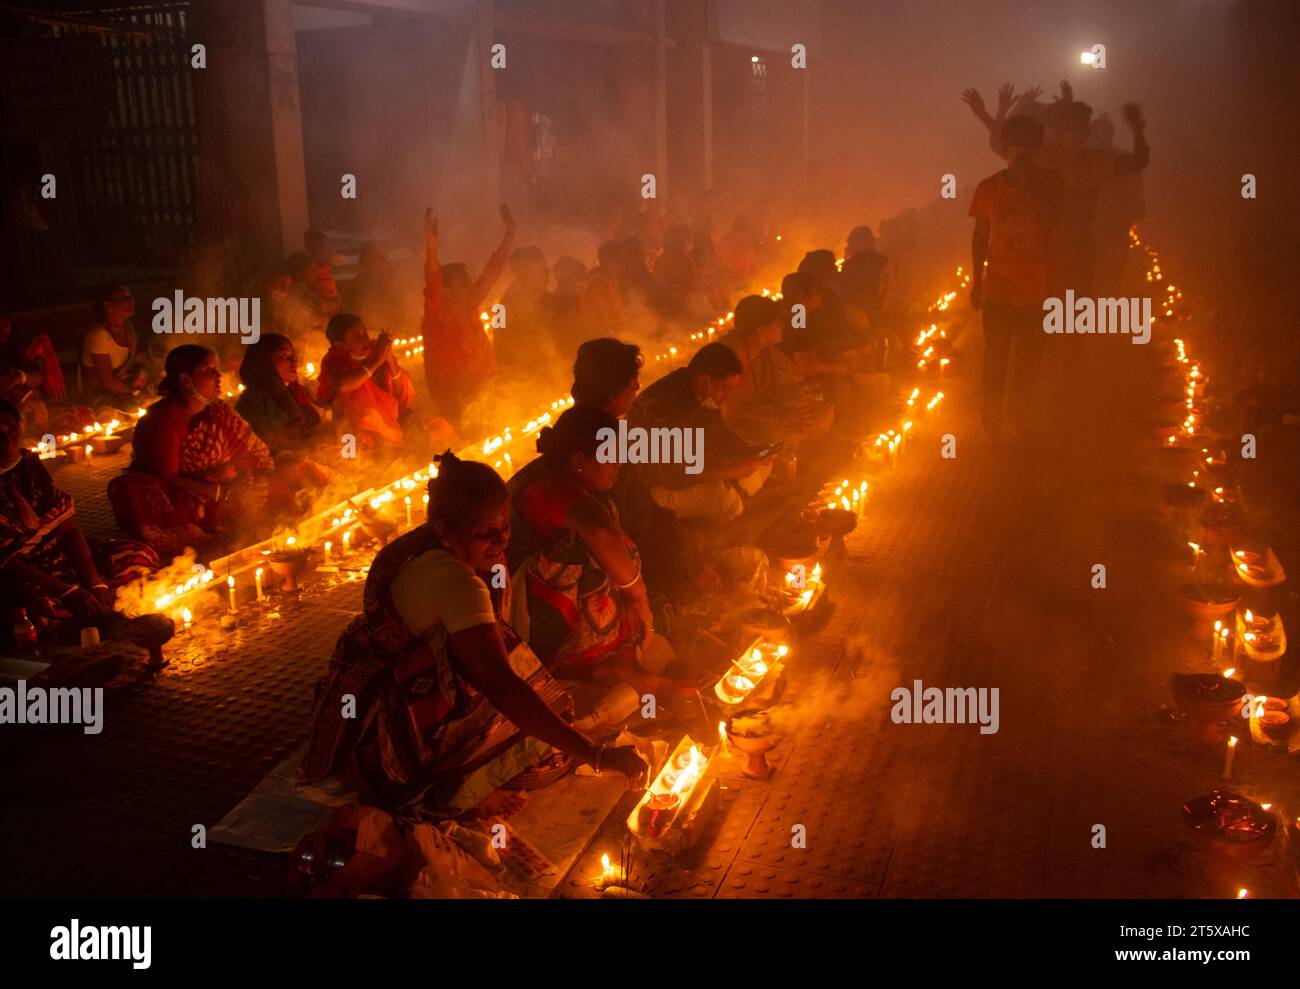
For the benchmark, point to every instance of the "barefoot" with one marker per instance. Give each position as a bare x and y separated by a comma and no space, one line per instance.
499,803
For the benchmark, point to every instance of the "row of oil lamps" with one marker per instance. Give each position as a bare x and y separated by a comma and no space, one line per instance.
1249,636
677,785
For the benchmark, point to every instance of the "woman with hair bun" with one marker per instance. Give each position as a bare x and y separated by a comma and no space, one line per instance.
584,607
197,468
451,703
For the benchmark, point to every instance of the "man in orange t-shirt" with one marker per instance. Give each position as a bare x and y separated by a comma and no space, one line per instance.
1015,211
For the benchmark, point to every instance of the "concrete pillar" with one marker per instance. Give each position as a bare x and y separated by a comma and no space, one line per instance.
661,99
286,122
253,137
489,113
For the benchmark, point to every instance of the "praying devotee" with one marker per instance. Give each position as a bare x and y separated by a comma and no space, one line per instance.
691,398
112,364
458,357
606,376
198,471
46,562
362,382
452,704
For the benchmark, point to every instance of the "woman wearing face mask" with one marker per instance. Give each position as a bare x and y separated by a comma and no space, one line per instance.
450,703
582,601
360,378
197,467
281,411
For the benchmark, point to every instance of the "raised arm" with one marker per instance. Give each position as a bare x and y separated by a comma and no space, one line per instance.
496,262
1140,156
432,274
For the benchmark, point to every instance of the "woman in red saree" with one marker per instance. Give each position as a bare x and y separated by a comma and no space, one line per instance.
450,703
580,598
363,383
458,356
197,467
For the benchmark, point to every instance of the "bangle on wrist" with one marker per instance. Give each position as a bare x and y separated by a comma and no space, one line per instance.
635,577
74,587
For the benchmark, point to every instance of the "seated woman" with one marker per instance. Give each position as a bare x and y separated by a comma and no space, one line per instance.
280,410
197,468
112,363
450,703
607,376
45,561
773,402
580,598
361,379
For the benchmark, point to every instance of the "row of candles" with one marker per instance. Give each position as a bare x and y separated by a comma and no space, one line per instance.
86,438
498,443
746,674
1252,632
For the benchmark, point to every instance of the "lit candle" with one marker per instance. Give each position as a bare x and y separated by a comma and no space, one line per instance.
328,545
408,510
608,871
230,585
188,618
257,578
89,451
1217,648
1197,553
1227,763
346,536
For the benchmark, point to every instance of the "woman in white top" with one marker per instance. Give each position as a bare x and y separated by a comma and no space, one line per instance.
111,363
431,701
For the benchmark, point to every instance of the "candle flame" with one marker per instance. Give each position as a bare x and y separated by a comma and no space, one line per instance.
1227,674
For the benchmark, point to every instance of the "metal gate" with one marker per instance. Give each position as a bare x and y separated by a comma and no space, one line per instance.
101,98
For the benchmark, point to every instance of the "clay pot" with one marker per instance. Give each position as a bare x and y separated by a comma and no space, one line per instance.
289,565
1205,604
755,749
1206,816
1207,699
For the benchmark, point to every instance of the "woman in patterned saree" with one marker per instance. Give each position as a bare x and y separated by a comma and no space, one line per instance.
449,702
580,599
46,564
197,468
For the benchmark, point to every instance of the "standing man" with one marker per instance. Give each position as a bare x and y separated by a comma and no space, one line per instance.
1014,210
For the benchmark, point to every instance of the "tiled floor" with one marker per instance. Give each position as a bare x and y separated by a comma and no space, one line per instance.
973,572
976,572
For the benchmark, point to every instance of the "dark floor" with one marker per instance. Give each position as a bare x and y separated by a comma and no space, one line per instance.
973,572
